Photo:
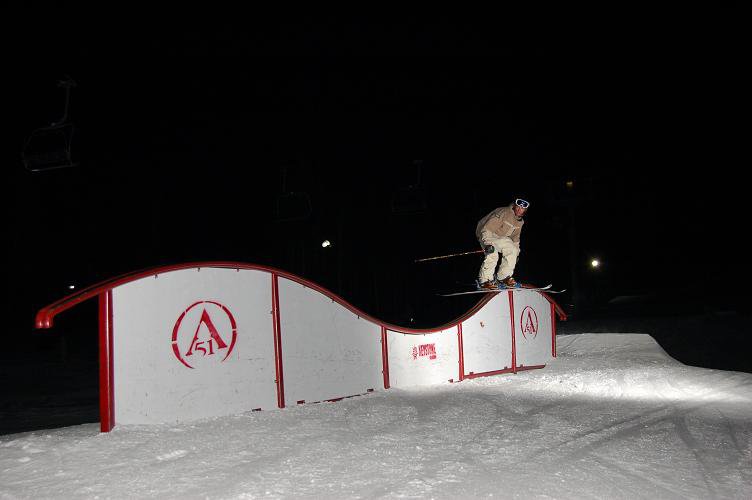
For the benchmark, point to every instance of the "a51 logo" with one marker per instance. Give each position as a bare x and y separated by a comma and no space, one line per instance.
205,329
529,323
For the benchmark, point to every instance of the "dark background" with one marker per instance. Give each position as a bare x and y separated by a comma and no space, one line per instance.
200,142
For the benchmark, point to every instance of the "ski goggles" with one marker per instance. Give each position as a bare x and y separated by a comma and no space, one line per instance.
522,203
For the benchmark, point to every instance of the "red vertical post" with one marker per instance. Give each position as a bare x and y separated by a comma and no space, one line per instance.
462,352
279,372
385,357
553,330
514,339
106,368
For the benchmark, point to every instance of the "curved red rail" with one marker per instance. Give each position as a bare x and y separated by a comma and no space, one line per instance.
45,316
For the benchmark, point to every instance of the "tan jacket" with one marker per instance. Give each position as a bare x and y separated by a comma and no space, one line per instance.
503,223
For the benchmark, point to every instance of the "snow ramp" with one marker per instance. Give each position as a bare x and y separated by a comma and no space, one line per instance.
208,339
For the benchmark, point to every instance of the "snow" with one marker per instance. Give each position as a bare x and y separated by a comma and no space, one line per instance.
613,417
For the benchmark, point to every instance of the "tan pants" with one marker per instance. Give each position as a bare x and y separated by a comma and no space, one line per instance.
509,252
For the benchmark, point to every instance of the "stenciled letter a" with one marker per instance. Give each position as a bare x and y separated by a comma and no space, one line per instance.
206,320
530,325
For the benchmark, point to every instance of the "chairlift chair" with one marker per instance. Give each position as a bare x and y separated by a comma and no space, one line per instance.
50,147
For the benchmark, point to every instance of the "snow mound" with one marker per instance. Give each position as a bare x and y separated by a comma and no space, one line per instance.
603,366
612,417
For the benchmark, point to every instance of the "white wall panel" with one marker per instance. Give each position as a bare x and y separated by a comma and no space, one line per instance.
327,351
487,337
533,329
152,379
427,359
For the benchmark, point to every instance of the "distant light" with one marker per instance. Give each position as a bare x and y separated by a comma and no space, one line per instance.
595,263
326,244
570,184
71,287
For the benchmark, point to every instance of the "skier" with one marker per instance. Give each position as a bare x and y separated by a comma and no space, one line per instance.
499,233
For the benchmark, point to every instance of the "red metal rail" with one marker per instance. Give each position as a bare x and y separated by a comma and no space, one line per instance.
46,315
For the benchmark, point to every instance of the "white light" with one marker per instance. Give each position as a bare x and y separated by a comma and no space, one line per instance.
326,244
595,263
71,287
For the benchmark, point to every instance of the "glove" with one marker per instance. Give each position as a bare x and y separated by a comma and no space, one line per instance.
489,249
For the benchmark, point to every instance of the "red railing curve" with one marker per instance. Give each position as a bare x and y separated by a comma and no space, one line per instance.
46,315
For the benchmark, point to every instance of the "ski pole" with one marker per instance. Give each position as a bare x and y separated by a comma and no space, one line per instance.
447,256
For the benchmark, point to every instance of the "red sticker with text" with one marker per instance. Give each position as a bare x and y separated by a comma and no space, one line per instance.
424,350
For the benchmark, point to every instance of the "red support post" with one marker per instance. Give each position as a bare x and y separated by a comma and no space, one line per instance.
462,352
553,329
514,339
106,378
385,357
277,343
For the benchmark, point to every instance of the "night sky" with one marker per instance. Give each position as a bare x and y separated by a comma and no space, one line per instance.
190,140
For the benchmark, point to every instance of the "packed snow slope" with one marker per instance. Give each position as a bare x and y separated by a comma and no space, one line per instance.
612,417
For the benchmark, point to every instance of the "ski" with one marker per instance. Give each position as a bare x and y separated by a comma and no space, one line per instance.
545,289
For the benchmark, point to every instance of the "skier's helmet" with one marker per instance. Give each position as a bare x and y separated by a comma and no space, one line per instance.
522,203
